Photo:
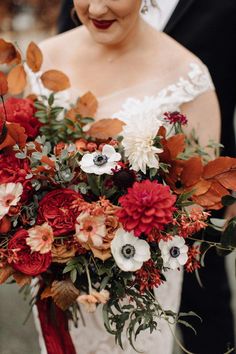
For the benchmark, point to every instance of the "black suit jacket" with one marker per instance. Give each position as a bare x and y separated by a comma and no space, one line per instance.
208,29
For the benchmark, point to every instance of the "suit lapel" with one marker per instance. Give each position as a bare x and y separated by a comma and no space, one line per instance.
178,13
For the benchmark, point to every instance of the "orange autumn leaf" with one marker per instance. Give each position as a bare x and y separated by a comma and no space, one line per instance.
176,145
5,273
22,279
3,84
106,128
218,166
48,161
8,52
192,171
64,293
46,293
15,135
34,57
16,80
87,105
212,198
55,80
17,59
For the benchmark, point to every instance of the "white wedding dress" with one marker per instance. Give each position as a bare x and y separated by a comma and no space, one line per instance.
150,99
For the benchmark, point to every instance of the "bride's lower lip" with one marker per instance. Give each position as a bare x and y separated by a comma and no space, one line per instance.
103,25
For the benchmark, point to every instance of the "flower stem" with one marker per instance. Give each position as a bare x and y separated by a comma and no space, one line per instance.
88,277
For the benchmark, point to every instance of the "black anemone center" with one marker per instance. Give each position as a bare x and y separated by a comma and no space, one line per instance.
175,252
100,159
128,251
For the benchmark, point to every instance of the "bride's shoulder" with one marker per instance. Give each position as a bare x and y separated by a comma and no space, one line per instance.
58,47
178,59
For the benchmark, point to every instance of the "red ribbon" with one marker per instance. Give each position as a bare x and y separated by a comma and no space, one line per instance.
54,328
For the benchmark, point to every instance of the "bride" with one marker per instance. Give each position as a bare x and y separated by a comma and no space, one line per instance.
132,69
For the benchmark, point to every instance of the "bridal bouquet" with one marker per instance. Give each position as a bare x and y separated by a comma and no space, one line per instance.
98,212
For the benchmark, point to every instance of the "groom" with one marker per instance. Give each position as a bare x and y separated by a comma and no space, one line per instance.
208,29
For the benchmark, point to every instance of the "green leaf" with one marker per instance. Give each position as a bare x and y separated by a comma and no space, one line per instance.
51,99
73,275
92,181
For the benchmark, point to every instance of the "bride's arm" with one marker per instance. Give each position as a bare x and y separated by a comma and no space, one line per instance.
203,114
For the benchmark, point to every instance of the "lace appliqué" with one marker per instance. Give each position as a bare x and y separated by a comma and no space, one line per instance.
170,98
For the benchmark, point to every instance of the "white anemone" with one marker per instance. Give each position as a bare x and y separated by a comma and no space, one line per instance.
174,252
10,194
100,162
129,251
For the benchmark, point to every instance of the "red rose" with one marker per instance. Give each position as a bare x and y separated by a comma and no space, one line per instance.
22,111
28,262
15,170
59,209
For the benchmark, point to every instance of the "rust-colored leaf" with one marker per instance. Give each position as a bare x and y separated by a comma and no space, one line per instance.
17,60
15,135
64,293
22,279
62,253
48,161
176,145
55,80
106,128
87,105
16,80
228,179
192,171
32,97
3,84
46,293
5,273
8,52
201,187
212,198
218,166
34,57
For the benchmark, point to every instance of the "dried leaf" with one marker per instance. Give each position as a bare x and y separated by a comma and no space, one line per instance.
101,254
32,97
62,253
217,166
34,57
8,52
17,60
48,161
176,145
15,135
16,80
212,198
64,293
106,128
87,105
5,273
192,171
55,80
22,279
46,293
228,179
3,84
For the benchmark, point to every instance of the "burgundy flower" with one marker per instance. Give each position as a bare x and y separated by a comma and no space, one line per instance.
22,111
175,117
27,262
59,208
147,206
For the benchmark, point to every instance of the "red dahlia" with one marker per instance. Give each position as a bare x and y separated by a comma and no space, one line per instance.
147,206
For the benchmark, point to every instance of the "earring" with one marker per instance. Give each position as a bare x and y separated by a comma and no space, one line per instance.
144,9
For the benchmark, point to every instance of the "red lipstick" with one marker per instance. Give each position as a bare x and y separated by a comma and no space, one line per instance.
102,24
